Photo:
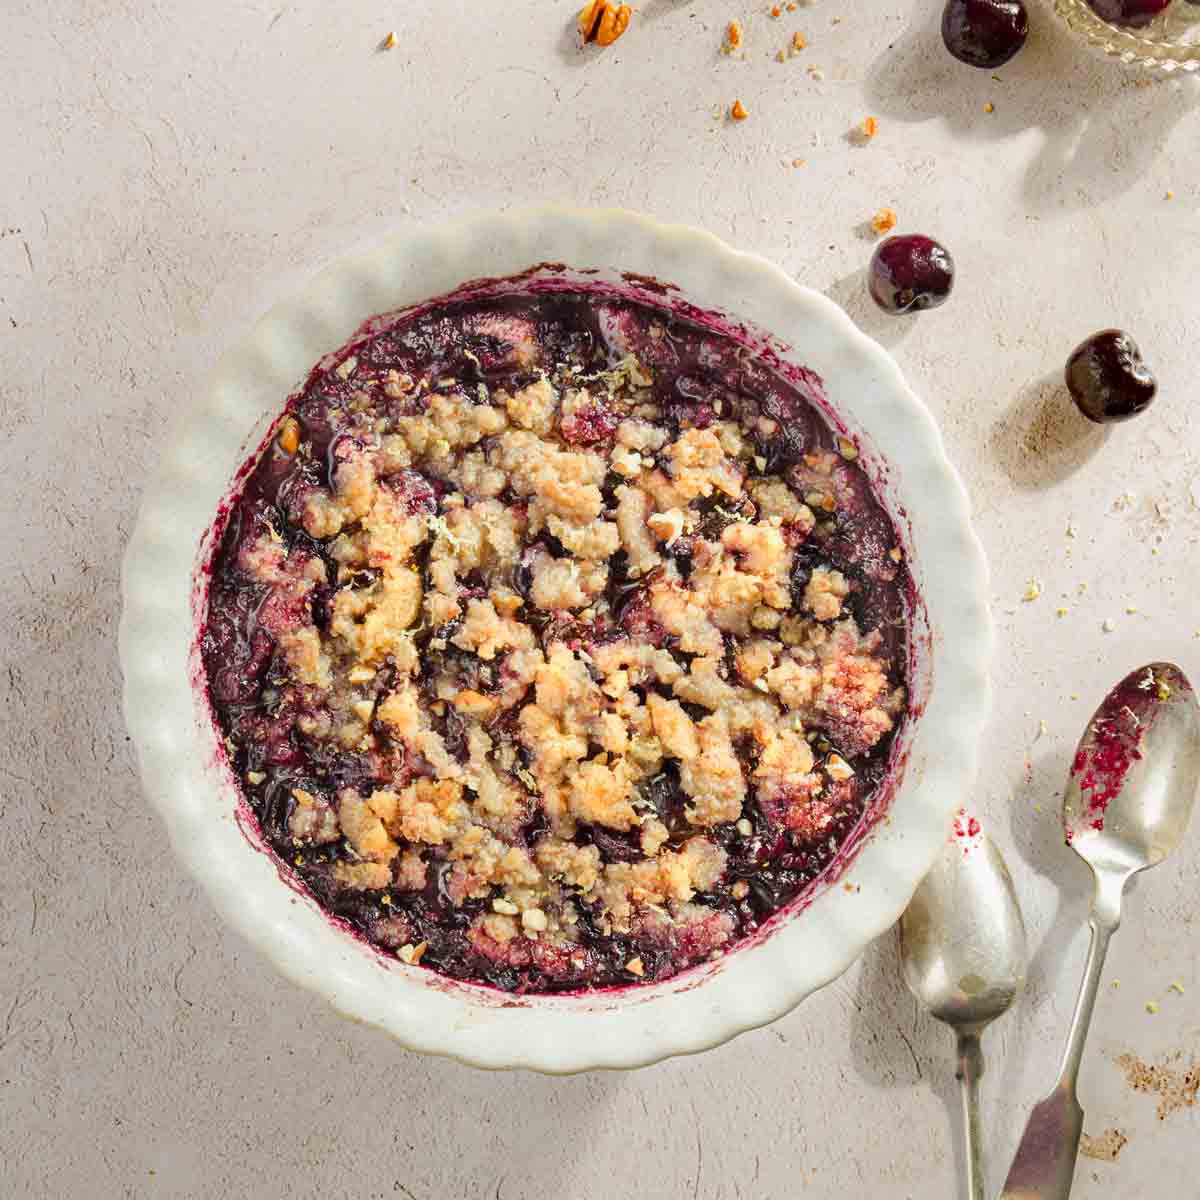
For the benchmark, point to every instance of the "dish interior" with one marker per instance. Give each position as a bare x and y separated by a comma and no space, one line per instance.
558,636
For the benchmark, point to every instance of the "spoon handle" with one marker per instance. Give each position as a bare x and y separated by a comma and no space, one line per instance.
1044,1164
970,1071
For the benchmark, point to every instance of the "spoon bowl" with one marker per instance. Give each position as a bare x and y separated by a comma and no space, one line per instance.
1132,783
962,936
962,949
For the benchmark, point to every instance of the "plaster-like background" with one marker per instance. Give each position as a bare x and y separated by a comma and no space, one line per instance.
169,171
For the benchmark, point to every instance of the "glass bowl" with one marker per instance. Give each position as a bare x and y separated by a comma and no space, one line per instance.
1171,42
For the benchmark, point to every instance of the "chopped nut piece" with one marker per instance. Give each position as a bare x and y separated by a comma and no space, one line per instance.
847,449
390,42
733,36
474,704
776,11
666,526
396,384
635,967
744,827
740,890
838,769
989,107
254,778
288,438
507,907
799,42
603,22
1033,589
412,954
883,220
738,111
868,127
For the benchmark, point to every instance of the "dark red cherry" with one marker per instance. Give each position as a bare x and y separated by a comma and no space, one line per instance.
1133,13
984,33
1107,379
909,273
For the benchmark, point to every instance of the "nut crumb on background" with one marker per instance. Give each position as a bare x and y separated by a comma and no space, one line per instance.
1107,1146
602,22
883,220
733,37
868,127
738,111
1174,1089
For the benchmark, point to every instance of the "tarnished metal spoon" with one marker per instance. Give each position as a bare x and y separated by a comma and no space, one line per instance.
1129,795
962,947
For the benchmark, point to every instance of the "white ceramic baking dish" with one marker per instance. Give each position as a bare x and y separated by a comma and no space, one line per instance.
183,763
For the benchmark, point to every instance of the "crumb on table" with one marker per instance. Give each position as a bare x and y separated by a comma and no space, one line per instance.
602,22
1107,1146
883,221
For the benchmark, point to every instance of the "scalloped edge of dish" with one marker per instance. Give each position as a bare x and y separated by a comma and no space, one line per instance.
752,985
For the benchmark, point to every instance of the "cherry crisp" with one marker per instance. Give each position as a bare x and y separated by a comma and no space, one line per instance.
557,641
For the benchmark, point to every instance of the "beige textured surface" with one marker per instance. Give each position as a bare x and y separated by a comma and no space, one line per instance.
166,180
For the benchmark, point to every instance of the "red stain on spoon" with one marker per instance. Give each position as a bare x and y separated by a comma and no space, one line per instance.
967,830
1113,743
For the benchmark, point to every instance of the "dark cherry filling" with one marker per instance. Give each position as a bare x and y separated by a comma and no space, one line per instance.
698,377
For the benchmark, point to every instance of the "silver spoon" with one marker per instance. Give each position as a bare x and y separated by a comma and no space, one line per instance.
1129,796
962,946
